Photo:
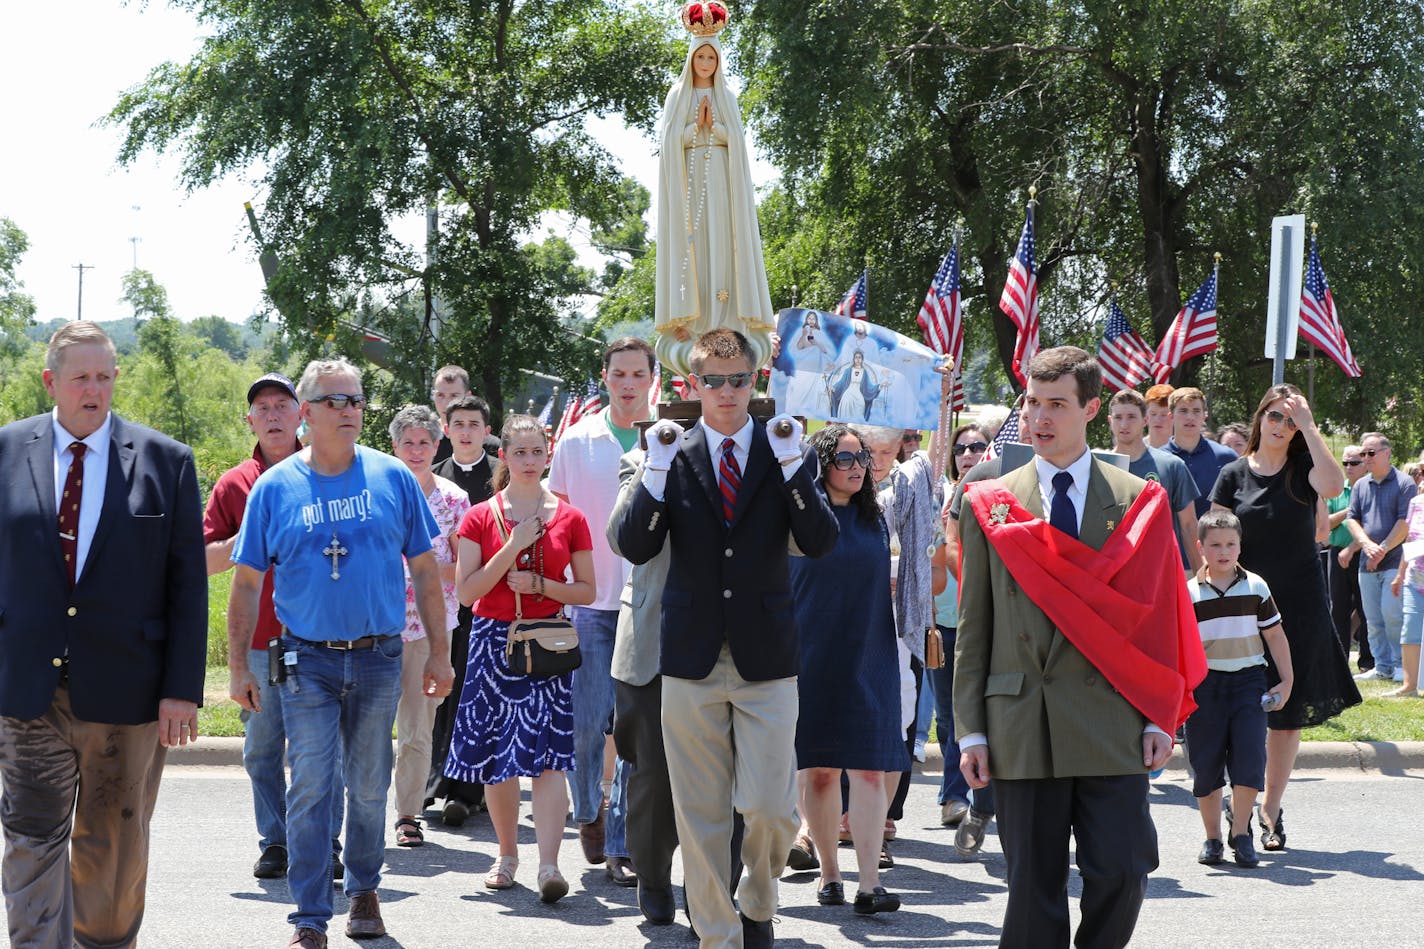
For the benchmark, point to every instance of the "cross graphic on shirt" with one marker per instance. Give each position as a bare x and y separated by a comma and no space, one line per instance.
334,550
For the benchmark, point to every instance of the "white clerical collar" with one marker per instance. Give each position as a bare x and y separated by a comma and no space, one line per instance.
471,466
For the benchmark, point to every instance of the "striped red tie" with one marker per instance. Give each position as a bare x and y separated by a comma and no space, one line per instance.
730,474
69,510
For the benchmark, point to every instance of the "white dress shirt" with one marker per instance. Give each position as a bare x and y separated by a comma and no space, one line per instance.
95,478
656,480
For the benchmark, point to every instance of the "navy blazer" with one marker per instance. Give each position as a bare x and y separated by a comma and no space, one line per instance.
135,626
729,584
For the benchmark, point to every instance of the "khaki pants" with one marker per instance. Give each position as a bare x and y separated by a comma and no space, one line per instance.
731,745
415,719
76,808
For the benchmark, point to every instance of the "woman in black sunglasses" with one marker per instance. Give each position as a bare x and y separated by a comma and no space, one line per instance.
849,684
1273,490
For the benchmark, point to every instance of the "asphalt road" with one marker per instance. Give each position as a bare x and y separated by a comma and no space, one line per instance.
1351,878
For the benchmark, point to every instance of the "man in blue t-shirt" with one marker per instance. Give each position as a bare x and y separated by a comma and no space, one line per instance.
1127,414
333,522
1203,457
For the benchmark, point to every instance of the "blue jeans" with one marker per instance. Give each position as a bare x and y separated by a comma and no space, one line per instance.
1412,633
952,785
925,711
593,722
336,694
1384,615
264,752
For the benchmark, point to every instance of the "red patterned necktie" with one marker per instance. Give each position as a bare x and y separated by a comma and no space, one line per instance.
730,474
69,510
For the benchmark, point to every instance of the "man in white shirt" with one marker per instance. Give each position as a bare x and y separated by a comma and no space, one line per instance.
584,472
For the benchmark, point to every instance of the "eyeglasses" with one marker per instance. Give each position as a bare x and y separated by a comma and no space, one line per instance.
972,447
1371,452
339,401
739,380
1279,417
1350,464
845,460
915,437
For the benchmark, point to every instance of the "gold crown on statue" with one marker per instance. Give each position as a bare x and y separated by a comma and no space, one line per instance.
704,18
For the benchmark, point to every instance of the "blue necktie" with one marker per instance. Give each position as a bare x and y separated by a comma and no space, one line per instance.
1062,515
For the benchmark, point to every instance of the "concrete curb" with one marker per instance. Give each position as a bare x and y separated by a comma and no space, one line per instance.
1371,757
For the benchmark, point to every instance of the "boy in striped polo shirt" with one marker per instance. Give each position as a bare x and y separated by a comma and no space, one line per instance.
1238,622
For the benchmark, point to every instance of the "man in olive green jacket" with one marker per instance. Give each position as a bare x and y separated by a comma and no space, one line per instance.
1067,753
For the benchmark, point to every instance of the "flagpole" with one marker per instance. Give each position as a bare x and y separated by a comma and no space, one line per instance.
1310,366
1214,374
867,287
958,234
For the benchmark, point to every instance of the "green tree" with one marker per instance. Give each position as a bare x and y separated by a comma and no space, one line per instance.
221,334
359,112
17,308
1156,132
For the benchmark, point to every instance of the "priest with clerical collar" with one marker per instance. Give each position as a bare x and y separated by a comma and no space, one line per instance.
1075,658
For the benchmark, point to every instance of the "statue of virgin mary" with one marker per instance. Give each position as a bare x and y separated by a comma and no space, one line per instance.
710,272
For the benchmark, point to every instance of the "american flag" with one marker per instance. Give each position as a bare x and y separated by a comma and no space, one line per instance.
1193,330
1124,355
655,392
1008,434
546,414
1019,300
942,318
1319,320
853,303
679,386
575,408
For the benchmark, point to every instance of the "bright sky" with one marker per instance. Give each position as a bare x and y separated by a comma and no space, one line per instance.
63,66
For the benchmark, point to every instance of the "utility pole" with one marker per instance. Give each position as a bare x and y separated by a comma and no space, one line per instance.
81,268
135,239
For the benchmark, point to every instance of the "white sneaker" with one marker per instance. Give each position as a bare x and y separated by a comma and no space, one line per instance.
1370,674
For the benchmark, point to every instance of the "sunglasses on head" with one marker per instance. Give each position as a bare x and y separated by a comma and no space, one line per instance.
974,447
711,380
845,460
1349,463
1279,417
339,401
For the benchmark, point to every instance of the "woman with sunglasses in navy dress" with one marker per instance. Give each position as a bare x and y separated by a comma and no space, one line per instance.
849,684
1273,489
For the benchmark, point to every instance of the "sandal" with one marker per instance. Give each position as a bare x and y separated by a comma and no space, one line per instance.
552,885
501,875
1272,837
408,832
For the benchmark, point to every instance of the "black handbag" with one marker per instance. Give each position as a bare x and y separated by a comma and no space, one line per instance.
537,647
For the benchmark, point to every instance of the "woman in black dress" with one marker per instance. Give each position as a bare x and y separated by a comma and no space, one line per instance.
1273,489
849,683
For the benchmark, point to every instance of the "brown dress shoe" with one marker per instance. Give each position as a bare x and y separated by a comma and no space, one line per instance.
365,919
305,938
591,836
621,872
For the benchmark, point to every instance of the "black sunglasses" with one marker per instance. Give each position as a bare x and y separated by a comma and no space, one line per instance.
1350,464
845,460
1279,417
739,380
339,401
975,447
1371,452
912,437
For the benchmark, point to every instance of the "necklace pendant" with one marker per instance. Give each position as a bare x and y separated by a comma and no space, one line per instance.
334,550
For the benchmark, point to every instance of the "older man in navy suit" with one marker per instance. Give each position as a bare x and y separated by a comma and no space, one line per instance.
103,610
725,498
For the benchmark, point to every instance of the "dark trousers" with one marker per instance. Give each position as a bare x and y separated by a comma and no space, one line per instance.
1116,846
470,794
651,824
1345,603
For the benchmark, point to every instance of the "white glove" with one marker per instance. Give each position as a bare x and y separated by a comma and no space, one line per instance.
659,456
787,447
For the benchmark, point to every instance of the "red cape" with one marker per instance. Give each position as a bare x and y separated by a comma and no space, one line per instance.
1125,607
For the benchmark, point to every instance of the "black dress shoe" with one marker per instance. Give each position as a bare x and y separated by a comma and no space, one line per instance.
757,934
1244,850
832,894
455,813
658,903
1211,852
877,900
620,871
272,865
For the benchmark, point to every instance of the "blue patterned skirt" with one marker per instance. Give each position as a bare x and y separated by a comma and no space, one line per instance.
508,725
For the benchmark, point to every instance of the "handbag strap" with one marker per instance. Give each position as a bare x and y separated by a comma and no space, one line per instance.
503,529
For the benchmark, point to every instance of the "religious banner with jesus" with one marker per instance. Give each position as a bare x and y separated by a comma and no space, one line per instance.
847,370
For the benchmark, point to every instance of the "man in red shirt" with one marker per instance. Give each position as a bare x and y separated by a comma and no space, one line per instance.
273,415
